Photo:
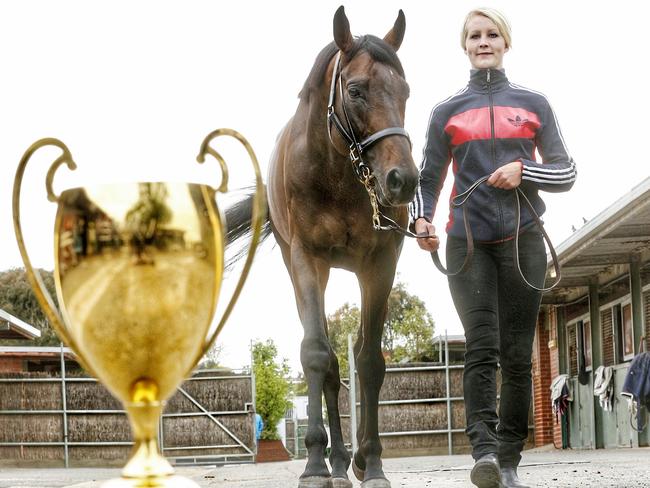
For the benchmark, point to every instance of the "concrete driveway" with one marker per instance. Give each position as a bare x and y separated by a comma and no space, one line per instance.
619,468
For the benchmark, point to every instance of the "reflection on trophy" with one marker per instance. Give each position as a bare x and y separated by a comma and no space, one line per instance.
138,268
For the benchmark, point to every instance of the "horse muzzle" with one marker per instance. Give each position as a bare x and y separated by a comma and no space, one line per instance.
399,186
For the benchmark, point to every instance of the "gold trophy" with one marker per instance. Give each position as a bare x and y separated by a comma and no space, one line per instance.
138,268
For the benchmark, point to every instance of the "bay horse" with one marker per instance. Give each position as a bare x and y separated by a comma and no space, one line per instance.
341,164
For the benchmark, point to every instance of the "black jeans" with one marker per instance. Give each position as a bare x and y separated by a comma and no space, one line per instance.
498,312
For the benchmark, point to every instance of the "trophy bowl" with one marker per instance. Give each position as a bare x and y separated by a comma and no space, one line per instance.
138,268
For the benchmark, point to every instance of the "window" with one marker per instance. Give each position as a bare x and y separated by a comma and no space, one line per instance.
623,331
572,349
579,346
627,332
607,331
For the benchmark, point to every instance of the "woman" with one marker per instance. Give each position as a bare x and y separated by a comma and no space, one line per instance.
493,127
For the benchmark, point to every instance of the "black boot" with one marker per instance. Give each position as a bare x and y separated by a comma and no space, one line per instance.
486,473
509,478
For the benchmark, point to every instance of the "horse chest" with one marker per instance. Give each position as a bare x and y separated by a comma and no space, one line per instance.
339,236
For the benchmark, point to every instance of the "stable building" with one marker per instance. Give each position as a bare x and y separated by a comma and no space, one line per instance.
13,328
598,315
33,359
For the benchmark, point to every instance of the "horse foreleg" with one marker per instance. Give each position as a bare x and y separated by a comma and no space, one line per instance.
359,464
339,456
309,276
375,287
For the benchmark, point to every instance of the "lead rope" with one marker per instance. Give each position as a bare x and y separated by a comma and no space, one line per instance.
551,249
459,201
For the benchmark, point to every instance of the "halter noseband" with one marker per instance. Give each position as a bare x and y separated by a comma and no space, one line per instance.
356,149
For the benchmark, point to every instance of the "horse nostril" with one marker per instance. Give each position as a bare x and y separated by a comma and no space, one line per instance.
394,182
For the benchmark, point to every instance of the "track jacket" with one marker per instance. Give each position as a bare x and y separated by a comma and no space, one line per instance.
489,123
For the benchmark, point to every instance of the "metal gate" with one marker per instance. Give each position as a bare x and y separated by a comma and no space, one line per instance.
209,420
219,444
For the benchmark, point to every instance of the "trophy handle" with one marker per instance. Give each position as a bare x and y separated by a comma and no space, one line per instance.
257,219
34,278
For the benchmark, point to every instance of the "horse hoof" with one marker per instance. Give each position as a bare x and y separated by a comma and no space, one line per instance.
315,482
341,483
376,483
358,472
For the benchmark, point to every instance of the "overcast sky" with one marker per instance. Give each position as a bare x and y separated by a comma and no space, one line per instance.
133,87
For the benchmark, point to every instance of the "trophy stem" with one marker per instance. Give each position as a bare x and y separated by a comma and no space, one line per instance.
146,467
146,460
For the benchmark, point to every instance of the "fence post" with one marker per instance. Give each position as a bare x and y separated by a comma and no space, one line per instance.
450,440
161,437
254,419
352,368
65,410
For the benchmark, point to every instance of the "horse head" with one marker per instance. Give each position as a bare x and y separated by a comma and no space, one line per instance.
369,93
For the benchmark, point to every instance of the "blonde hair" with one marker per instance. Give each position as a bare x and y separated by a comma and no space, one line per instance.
495,16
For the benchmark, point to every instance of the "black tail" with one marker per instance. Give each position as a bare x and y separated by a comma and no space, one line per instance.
238,221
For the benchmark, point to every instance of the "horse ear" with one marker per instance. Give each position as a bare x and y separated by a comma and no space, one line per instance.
342,34
396,34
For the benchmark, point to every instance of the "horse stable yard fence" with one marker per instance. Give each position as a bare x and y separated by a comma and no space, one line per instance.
421,409
57,418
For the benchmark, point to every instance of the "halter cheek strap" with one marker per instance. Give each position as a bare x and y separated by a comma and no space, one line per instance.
356,148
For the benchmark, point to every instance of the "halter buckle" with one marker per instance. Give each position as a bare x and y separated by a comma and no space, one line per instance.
355,154
365,173
376,223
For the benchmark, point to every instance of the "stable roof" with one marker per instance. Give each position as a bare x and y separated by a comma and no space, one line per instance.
451,338
603,248
35,352
13,328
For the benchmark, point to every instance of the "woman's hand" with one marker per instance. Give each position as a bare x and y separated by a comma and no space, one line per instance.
430,243
507,176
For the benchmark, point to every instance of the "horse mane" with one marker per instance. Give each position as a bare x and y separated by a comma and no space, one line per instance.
378,49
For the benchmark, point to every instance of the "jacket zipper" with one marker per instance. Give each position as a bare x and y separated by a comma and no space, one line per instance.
494,152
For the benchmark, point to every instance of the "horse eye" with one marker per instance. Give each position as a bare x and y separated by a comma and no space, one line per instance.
354,92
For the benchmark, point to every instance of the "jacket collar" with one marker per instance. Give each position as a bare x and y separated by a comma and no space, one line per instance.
478,79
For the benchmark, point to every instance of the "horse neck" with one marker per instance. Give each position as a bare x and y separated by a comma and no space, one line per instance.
337,167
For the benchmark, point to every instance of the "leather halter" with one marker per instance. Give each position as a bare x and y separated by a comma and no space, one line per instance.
356,148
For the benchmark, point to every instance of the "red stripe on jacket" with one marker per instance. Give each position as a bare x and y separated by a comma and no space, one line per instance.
509,123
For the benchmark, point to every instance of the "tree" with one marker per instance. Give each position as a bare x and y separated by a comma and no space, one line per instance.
145,217
342,322
18,299
211,358
299,386
272,386
408,330
409,327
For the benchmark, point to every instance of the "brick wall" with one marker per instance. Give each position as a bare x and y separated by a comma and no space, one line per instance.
541,384
554,364
11,365
577,309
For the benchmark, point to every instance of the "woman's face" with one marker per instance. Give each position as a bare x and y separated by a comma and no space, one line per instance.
484,45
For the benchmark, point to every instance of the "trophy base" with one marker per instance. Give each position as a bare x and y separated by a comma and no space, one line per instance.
164,482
